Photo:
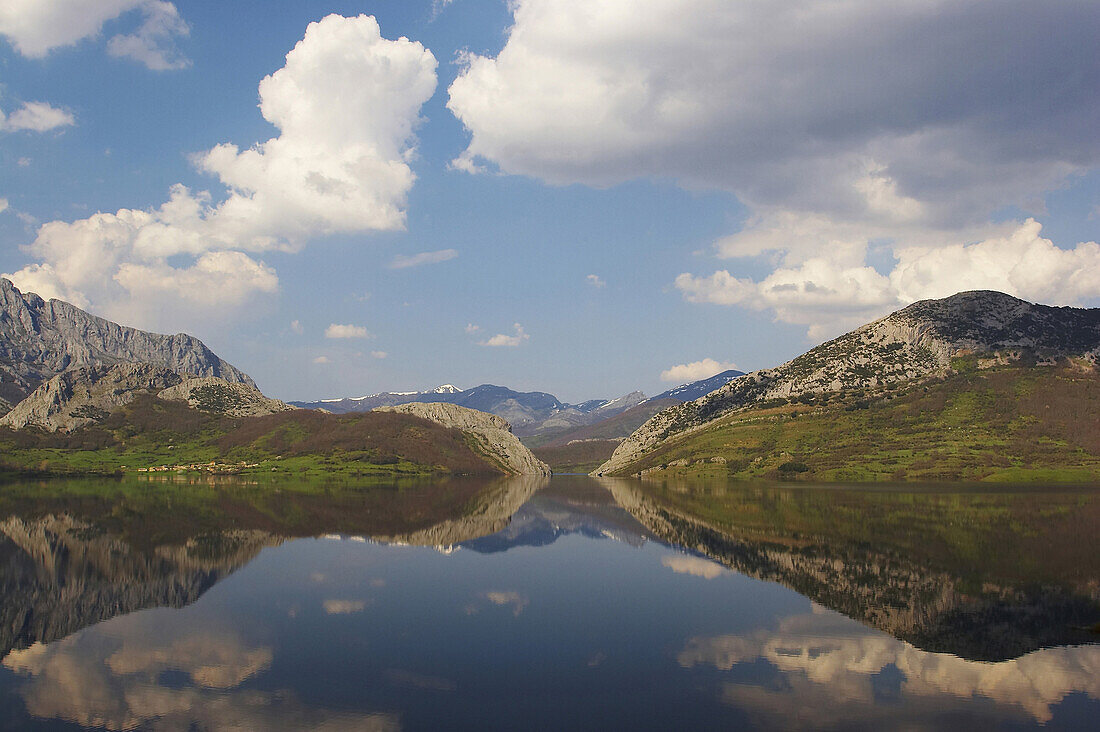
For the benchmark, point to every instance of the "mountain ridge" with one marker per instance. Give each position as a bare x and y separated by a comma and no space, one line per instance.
920,341
40,339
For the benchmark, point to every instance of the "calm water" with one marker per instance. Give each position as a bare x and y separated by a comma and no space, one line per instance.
567,603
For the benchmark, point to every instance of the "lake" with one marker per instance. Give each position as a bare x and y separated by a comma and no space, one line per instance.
568,602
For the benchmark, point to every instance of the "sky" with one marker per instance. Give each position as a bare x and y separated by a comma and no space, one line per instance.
584,197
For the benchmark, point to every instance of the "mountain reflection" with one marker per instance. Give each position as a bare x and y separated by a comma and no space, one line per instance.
979,574
75,554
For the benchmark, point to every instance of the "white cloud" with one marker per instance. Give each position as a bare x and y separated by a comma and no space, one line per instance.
23,162
595,280
378,354
320,360
346,331
696,370
829,295
36,117
504,340
152,44
35,27
471,328
851,109
695,566
3,205
296,327
401,261
345,104
844,127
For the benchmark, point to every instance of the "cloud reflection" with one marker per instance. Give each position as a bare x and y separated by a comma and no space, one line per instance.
695,566
113,677
824,657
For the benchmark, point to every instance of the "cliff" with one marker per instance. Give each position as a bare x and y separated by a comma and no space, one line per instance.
40,339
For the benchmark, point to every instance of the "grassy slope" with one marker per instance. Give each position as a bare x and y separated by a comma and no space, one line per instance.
151,432
1004,424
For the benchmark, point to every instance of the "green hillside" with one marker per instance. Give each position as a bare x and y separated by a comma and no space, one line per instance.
153,434
1011,423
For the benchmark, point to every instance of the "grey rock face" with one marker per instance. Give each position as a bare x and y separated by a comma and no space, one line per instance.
917,342
86,395
493,434
213,394
39,340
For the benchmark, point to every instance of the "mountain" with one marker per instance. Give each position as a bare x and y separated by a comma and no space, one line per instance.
696,389
528,413
960,337
40,339
492,434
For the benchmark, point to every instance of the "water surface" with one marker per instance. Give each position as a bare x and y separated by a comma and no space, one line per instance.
529,603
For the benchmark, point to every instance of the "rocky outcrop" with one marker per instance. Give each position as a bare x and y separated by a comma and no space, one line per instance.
212,394
40,339
87,395
915,343
492,434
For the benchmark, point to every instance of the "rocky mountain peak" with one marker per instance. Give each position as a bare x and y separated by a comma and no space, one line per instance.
40,339
917,342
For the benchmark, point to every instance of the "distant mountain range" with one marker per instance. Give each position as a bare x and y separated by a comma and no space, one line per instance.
533,414
529,413
696,389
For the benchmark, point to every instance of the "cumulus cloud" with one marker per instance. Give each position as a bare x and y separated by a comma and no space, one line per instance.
505,340
153,42
3,205
337,330
696,370
854,108
595,280
402,261
471,328
828,295
379,354
839,125
36,27
36,117
345,104
296,327
321,360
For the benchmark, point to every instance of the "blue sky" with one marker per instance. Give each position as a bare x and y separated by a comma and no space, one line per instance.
598,192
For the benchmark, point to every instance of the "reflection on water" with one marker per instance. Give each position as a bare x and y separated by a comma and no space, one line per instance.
980,574
830,671
523,602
